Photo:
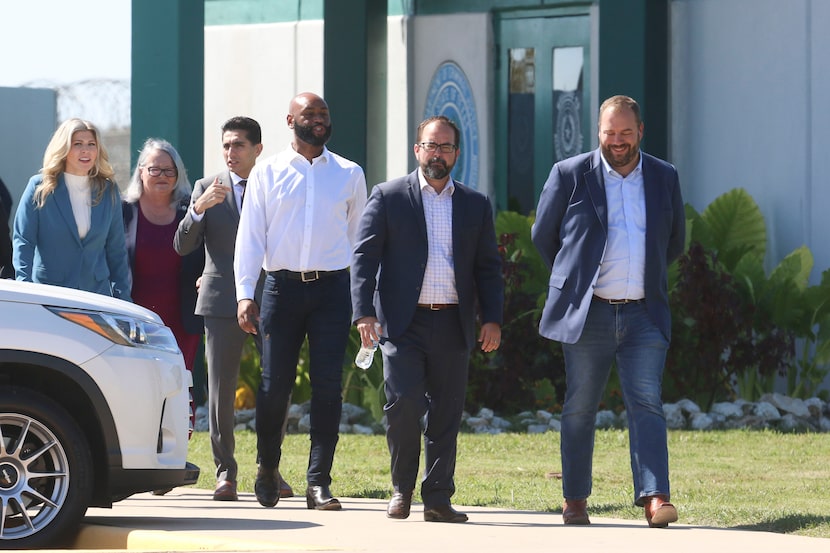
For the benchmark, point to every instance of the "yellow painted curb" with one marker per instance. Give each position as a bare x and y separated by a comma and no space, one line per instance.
95,536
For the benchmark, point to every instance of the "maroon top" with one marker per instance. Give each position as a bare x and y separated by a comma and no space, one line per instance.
156,269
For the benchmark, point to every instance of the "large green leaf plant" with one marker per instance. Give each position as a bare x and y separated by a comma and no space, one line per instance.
782,302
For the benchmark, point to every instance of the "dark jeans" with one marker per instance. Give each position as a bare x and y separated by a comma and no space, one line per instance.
291,311
625,335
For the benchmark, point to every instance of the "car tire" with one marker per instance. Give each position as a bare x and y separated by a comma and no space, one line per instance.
46,473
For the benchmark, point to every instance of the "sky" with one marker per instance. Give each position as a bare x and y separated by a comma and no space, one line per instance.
60,42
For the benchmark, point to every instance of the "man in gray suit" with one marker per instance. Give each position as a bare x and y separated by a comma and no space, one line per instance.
608,224
213,219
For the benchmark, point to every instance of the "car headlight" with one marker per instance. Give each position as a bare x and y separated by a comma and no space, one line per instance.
121,329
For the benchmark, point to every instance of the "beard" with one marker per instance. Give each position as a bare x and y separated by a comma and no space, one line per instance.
306,134
621,159
436,168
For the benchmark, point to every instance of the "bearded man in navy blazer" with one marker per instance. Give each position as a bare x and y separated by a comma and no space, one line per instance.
608,224
426,258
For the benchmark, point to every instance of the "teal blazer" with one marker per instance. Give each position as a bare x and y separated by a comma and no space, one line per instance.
48,249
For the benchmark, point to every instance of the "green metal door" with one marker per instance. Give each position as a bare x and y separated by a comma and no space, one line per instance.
543,102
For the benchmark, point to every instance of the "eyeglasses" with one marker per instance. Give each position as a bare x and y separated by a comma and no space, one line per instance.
445,148
157,171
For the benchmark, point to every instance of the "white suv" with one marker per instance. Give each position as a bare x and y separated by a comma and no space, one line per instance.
93,408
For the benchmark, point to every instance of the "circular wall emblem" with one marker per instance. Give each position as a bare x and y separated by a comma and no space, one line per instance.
567,136
450,95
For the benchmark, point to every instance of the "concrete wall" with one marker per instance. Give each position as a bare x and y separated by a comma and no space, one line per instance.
28,116
262,86
747,110
750,82
255,70
465,39
400,130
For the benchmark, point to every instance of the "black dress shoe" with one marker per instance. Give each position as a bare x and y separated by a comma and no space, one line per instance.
267,486
399,505
319,497
443,513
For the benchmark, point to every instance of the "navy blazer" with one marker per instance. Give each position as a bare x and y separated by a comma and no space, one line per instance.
49,250
390,257
571,230
190,271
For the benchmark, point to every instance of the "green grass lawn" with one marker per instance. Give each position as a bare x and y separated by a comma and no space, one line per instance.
728,479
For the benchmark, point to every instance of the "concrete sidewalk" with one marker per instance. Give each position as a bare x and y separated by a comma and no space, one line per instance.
187,519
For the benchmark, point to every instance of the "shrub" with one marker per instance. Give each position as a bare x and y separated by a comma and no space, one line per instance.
527,370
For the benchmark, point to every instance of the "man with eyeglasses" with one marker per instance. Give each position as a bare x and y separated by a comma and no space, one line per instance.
299,222
426,258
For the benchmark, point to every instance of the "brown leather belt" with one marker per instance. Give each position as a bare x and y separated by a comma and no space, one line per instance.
617,302
437,306
305,276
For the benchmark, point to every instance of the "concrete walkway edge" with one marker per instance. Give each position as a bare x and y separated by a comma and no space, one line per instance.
187,519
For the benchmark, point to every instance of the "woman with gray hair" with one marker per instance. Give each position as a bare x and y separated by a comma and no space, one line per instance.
155,201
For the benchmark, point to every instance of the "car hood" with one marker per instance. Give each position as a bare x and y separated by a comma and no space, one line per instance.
58,296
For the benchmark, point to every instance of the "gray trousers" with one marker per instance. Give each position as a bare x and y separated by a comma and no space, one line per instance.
223,350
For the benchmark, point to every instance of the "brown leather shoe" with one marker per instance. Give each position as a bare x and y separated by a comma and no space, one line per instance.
443,513
659,512
399,505
575,511
225,491
285,489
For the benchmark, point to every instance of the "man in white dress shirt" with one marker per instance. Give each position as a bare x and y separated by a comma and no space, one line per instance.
299,221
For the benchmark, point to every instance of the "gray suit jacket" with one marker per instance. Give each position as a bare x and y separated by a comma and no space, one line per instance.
571,230
217,231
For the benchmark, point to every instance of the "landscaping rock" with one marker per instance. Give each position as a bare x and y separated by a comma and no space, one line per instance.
773,411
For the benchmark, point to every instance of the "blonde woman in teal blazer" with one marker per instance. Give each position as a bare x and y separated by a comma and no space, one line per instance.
69,230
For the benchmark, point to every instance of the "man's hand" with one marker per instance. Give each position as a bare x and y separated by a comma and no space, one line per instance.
247,315
490,337
367,330
213,195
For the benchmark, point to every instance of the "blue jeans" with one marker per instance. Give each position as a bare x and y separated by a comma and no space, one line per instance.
291,311
626,335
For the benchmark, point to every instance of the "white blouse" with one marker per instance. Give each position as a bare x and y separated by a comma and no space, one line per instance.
80,196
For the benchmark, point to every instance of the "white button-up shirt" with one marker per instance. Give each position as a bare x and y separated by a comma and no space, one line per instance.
622,271
298,216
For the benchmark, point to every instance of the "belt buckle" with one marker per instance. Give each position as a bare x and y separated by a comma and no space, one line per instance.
617,302
314,276
432,307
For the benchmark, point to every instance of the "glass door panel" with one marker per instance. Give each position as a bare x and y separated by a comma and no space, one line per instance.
542,104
